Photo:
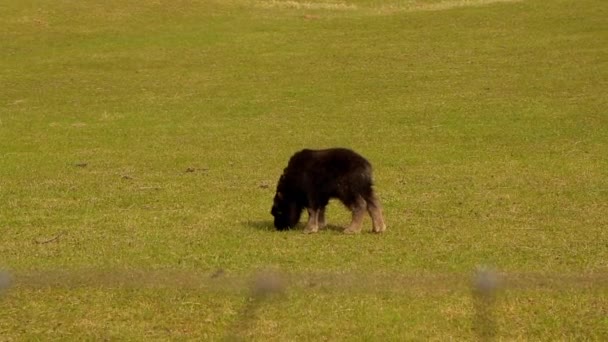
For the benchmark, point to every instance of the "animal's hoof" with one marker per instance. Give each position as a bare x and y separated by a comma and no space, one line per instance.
351,231
310,231
379,230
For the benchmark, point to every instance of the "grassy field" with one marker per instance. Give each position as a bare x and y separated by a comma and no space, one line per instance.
140,143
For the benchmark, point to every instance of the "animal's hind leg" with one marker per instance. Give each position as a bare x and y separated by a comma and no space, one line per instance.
313,221
321,220
375,211
358,209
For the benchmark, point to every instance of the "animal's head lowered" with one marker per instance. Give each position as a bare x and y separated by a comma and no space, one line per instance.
286,213
285,210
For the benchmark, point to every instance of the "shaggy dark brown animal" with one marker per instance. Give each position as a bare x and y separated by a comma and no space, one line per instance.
313,177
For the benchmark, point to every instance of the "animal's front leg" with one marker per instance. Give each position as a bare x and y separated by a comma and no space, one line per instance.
313,221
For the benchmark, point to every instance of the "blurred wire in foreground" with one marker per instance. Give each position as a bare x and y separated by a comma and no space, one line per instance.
265,285
259,290
5,281
485,285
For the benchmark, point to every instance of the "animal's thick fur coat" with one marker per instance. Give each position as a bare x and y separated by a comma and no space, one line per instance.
313,177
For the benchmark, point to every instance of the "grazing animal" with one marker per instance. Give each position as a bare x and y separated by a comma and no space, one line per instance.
313,177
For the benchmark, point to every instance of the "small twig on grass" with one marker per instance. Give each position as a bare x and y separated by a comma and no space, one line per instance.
149,188
42,242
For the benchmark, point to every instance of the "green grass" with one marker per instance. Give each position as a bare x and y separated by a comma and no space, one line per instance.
136,139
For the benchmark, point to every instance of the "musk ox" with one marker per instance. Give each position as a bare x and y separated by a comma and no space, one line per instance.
313,177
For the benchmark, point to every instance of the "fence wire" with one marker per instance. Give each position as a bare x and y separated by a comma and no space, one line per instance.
484,283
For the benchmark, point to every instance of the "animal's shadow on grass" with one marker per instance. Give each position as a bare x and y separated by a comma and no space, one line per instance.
259,225
267,225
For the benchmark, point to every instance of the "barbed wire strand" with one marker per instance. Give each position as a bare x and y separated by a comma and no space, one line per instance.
263,286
